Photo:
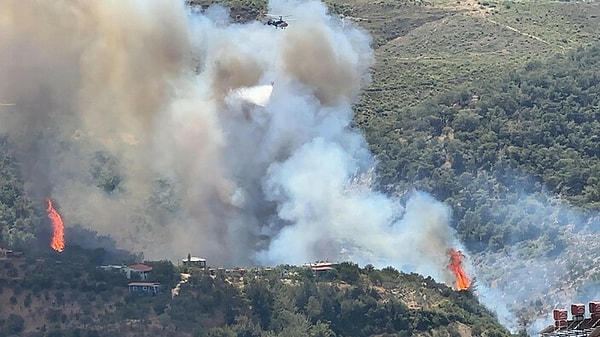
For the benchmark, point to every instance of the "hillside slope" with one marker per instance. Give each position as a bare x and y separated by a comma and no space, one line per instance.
525,197
491,107
68,295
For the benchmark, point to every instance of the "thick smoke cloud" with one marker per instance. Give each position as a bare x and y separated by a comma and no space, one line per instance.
126,113
88,77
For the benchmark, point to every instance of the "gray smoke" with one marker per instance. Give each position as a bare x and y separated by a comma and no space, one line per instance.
129,114
524,282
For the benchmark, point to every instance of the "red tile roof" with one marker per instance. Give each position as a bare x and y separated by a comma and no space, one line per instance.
140,267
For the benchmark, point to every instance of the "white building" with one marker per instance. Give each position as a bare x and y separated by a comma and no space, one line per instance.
193,261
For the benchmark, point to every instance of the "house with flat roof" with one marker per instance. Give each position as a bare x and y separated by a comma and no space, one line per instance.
322,268
150,288
193,261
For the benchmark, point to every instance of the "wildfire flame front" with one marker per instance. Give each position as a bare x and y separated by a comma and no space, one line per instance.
463,282
58,236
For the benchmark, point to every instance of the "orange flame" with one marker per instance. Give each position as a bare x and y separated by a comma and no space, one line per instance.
58,238
463,282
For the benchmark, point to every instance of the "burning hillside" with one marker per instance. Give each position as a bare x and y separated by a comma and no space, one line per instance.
58,228
463,282
139,146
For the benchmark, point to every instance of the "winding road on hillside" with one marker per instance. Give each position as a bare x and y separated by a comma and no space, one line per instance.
473,8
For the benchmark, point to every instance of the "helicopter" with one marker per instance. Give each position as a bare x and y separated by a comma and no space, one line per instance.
277,23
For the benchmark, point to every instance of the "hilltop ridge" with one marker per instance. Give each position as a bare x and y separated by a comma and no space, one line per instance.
69,295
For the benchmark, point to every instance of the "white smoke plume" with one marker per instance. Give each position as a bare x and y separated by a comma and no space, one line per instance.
550,263
134,117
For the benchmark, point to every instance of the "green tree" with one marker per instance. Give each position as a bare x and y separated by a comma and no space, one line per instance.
13,325
104,169
17,217
348,272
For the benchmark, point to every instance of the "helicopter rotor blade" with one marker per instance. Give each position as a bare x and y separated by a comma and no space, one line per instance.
278,16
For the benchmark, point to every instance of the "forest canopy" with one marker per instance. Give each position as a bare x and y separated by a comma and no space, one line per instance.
486,148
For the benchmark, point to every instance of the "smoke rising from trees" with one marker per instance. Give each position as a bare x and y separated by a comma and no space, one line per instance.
124,113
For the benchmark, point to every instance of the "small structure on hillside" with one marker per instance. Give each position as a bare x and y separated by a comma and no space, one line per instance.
139,270
320,266
578,325
193,261
150,288
113,267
